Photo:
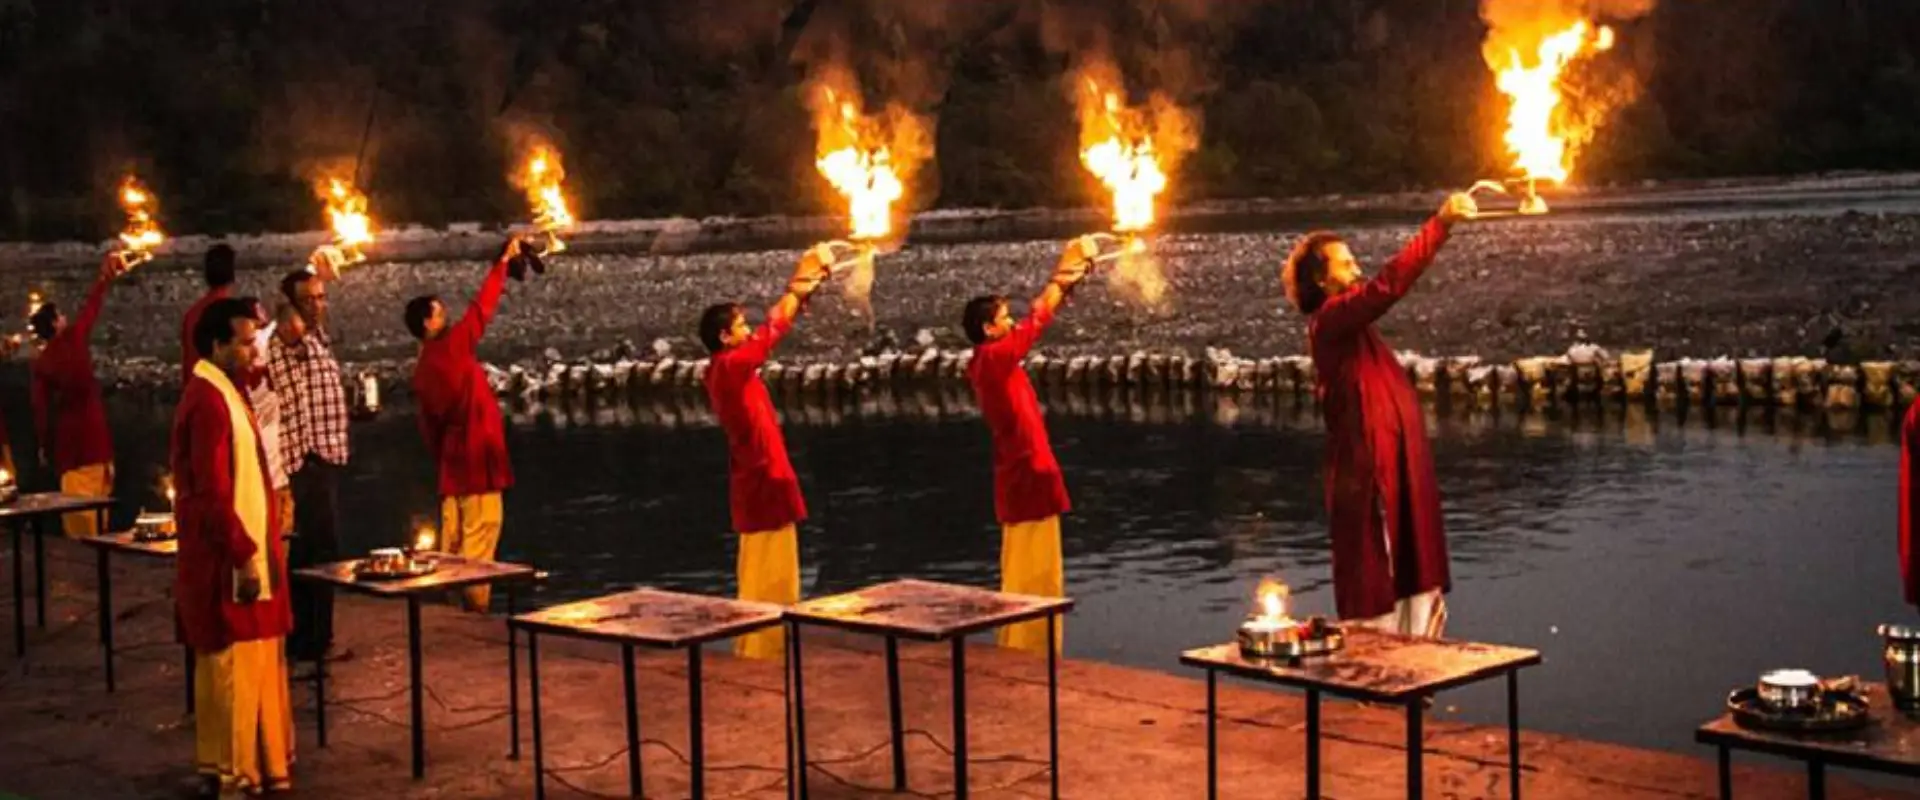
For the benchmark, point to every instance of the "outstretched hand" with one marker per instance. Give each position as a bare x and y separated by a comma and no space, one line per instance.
113,266
813,269
1075,261
326,261
1459,206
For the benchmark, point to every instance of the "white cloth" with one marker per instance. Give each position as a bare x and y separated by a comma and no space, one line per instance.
249,491
1424,615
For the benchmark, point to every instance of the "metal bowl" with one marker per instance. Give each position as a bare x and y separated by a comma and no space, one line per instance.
1314,637
1834,712
1789,690
1901,653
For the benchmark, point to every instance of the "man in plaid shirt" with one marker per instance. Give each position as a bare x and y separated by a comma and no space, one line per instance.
313,449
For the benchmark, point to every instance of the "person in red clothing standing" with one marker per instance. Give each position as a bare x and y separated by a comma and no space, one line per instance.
1029,494
1910,502
762,487
230,583
217,266
69,418
460,420
1390,566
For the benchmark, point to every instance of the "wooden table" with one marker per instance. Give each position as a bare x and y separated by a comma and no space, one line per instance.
453,572
932,612
1378,668
127,544
33,511
651,618
1889,744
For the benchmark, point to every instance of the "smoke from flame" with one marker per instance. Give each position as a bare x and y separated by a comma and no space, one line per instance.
1131,150
142,233
1530,46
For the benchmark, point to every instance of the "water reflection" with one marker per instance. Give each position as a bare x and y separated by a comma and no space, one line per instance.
1658,557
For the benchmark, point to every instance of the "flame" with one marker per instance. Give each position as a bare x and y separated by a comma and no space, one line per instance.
347,215
423,538
1124,159
1272,597
1539,134
860,169
142,234
166,488
541,179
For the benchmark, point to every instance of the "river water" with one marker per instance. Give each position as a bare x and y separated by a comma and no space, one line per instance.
1656,562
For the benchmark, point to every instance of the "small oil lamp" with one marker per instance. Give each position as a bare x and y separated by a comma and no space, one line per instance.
1271,632
154,526
9,489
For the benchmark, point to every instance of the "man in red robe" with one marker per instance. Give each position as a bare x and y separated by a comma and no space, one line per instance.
1029,494
1390,567
460,420
762,487
217,266
230,587
69,419
1910,502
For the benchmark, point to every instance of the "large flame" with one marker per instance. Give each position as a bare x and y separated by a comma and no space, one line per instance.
1119,150
541,178
854,157
142,234
1539,134
347,214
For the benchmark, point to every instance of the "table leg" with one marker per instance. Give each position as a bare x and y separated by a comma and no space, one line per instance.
513,680
696,724
1313,744
1726,773
320,699
786,678
1053,708
103,587
960,717
19,595
40,574
895,716
1816,780
799,705
1416,742
1213,752
189,672
629,680
413,674
533,695
1513,734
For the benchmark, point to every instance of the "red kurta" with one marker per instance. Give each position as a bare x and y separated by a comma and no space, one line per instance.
1910,502
67,411
459,415
764,491
213,542
1027,484
1379,468
188,357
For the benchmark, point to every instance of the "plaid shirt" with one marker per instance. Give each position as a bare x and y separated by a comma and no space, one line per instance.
313,406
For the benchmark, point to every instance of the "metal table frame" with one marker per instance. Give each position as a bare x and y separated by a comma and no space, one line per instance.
17,518
1415,703
1816,760
417,715
103,548
797,617
696,718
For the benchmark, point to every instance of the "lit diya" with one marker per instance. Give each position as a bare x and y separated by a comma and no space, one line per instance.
867,159
153,526
1542,134
541,178
1130,151
1270,632
9,487
352,227
142,233
393,563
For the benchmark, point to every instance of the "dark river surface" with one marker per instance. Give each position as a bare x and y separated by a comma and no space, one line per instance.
1656,562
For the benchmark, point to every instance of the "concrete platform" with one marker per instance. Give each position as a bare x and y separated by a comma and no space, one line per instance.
1126,733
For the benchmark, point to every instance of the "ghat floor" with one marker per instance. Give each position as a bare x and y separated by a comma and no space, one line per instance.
1125,732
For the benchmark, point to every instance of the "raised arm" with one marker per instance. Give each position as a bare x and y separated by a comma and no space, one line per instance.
96,297
1350,312
807,276
1067,274
473,322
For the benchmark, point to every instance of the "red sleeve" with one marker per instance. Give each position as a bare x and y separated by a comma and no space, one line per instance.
759,347
90,311
425,414
1026,333
473,322
1353,311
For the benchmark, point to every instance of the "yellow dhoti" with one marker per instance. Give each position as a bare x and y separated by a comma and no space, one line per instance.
470,528
93,480
769,567
1030,563
243,720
